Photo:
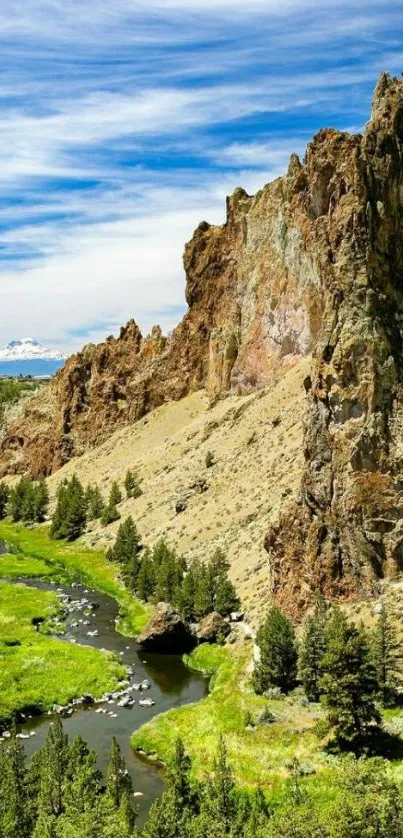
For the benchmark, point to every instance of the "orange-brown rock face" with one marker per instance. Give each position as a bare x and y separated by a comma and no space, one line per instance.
311,264
345,531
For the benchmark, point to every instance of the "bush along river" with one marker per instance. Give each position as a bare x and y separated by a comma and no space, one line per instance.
155,683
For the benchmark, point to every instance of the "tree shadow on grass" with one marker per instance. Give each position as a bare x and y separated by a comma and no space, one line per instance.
381,743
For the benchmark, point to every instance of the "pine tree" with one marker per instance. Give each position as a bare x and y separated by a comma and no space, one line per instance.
186,592
225,598
312,650
28,503
221,791
146,577
278,654
4,494
14,815
204,593
118,782
183,796
83,780
52,773
127,543
348,683
41,501
109,515
95,504
69,518
387,658
115,497
17,498
132,487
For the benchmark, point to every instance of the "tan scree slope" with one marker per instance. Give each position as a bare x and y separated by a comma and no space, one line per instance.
257,443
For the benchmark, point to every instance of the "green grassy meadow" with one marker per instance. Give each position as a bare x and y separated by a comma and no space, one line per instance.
258,752
36,670
66,561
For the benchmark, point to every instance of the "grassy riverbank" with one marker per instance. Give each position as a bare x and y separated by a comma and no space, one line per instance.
67,561
259,751
36,670
263,737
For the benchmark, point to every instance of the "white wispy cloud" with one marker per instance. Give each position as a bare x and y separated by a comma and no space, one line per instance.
123,124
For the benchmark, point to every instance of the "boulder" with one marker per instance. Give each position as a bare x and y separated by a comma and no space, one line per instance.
167,632
211,627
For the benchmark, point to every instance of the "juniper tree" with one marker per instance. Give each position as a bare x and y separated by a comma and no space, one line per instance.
115,496
278,653
387,658
109,515
17,497
132,487
69,518
128,543
204,594
312,649
95,503
348,684
225,598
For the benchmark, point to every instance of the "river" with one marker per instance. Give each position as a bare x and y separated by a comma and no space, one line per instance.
172,684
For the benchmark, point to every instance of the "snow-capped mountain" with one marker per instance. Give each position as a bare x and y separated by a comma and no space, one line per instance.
28,349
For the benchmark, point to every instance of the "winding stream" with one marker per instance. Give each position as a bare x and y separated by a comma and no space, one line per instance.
172,684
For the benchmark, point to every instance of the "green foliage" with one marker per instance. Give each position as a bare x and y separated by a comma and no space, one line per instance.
348,683
312,649
61,794
387,658
66,560
94,503
115,496
14,819
110,515
37,670
133,489
4,493
278,654
12,390
28,501
70,517
209,459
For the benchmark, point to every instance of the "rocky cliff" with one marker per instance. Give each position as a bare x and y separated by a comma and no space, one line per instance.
311,264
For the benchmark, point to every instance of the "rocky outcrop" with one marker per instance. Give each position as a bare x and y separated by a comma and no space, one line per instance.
167,632
345,530
312,264
212,627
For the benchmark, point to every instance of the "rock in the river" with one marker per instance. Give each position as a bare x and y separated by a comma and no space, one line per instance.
211,627
167,632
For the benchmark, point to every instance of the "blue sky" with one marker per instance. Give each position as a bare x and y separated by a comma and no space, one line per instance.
124,123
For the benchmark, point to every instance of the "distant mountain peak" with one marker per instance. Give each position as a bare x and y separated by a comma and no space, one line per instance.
28,349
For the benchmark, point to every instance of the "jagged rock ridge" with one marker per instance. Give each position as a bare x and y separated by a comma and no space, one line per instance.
311,264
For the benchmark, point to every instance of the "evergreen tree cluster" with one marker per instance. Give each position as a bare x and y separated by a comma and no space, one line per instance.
162,575
76,506
350,670
28,501
61,793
